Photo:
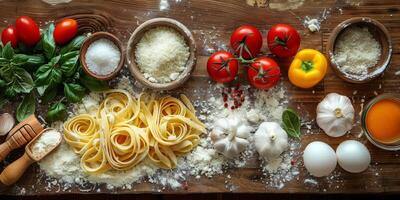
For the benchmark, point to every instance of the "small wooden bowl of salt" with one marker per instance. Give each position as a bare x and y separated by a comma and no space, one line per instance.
359,49
102,56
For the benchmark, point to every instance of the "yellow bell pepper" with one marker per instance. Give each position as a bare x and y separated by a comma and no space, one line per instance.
308,68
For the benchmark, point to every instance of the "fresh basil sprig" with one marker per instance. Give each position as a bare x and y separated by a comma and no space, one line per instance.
291,123
26,107
57,111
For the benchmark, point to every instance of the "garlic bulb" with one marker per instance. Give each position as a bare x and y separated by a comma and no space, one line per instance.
230,136
335,114
7,122
270,140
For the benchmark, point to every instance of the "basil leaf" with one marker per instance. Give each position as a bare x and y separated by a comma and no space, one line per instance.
48,75
291,123
26,107
49,94
2,83
19,60
4,62
74,92
49,46
69,63
10,92
75,44
8,51
57,111
22,81
31,61
93,84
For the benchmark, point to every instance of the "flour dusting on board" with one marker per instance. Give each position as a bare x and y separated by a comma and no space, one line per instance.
203,161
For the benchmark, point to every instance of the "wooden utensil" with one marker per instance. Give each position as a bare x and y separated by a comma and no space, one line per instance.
16,169
138,34
20,135
88,42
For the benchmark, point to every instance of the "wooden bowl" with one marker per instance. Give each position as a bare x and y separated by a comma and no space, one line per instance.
88,42
137,35
379,32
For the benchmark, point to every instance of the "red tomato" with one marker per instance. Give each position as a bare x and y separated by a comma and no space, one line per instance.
27,30
246,41
222,67
65,31
264,73
283,40
10,35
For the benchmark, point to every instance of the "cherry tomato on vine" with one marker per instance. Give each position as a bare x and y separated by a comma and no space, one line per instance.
283,40
246,41
65,31
27,30
264,73
222,67
10,35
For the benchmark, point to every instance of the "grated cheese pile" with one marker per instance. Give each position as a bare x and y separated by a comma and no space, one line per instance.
161,54
356,51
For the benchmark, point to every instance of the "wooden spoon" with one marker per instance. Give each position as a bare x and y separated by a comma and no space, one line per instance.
20,135
16,169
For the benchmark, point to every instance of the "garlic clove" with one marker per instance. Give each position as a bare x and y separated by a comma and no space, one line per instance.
7,122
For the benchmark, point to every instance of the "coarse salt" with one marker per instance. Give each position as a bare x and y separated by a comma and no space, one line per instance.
102,57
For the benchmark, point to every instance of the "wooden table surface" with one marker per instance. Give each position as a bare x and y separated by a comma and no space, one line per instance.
212,21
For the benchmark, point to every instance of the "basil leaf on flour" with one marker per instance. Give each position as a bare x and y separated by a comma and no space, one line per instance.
68,63
291,123
74,92
93,84
48,44
8,51
75,44
57,111
26,107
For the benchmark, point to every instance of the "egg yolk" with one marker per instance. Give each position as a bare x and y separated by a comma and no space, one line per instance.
383,121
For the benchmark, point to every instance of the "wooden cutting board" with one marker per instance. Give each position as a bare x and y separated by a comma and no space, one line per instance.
215,20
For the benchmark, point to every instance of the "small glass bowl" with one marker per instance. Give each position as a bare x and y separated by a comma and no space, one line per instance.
386,146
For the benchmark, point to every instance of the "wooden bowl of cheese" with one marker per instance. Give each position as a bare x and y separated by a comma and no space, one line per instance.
359,49
161,54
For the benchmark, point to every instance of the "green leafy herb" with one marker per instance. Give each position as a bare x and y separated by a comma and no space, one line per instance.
74,92
18,80
75,44
48,94
31,61
291,123
8,51
93,84
48,44
69,63
49,75
57,111
26,107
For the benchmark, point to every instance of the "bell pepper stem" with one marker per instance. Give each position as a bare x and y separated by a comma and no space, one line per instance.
307,66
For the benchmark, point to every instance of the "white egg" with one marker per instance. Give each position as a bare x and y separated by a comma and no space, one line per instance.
319,159
353,156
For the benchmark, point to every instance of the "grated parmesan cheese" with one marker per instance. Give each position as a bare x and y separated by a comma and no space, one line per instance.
161,54
356,51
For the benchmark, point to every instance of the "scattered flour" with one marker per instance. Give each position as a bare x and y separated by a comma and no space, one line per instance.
62,167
